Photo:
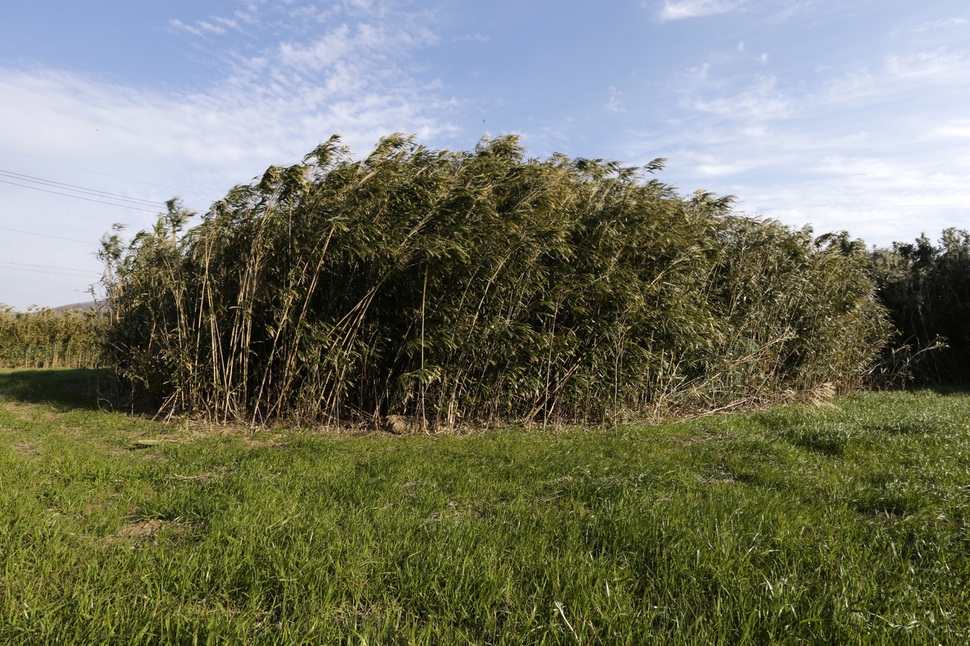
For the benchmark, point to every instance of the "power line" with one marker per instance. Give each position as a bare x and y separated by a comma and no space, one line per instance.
117,200
47,235
78,197
80,168
53,271
27,264
82,189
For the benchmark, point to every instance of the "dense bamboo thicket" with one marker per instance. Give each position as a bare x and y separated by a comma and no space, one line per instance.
47,338
926,289
475,287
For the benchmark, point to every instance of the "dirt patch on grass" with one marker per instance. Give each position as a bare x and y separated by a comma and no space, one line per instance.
457,510
719,474
25,448
134,534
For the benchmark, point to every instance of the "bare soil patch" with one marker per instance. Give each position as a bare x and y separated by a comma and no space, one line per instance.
141,531
25,448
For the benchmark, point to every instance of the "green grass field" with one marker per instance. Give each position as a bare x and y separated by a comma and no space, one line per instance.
840,525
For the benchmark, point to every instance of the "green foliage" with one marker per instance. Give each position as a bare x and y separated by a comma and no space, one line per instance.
46,338
797,311
791,525
475,287
926,290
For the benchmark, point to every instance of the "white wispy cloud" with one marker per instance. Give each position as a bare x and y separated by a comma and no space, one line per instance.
940,24
615,104
876,146
854,86
360,45
267,108
955,128
899,76
212,27
272,106
327,50
761,102
284,98
179,25
938,65
682,9
709,165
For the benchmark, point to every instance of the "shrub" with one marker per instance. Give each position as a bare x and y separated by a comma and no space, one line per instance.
477,287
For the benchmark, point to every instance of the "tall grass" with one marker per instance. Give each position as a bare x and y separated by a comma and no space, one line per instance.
450,288
46,338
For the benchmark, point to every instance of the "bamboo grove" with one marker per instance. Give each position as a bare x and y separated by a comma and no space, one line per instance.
479,287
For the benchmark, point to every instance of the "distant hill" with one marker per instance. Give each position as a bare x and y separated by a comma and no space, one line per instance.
87,306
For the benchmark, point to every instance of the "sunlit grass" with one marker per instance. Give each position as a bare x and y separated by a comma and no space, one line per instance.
791,525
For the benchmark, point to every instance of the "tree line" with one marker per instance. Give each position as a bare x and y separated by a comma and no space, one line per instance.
925,289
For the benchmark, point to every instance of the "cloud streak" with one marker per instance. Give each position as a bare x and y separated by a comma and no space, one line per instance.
870,146
941,65
684,9
277,103
272,106
760,103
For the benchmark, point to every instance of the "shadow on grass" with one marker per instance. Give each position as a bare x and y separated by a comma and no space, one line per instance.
954,388
63,388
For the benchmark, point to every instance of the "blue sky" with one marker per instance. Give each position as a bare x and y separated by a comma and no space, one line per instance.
842,115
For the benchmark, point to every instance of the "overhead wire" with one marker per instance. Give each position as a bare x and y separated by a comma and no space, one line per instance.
78,197
74,191
85,169
47,235
44,269
77,192
81,189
